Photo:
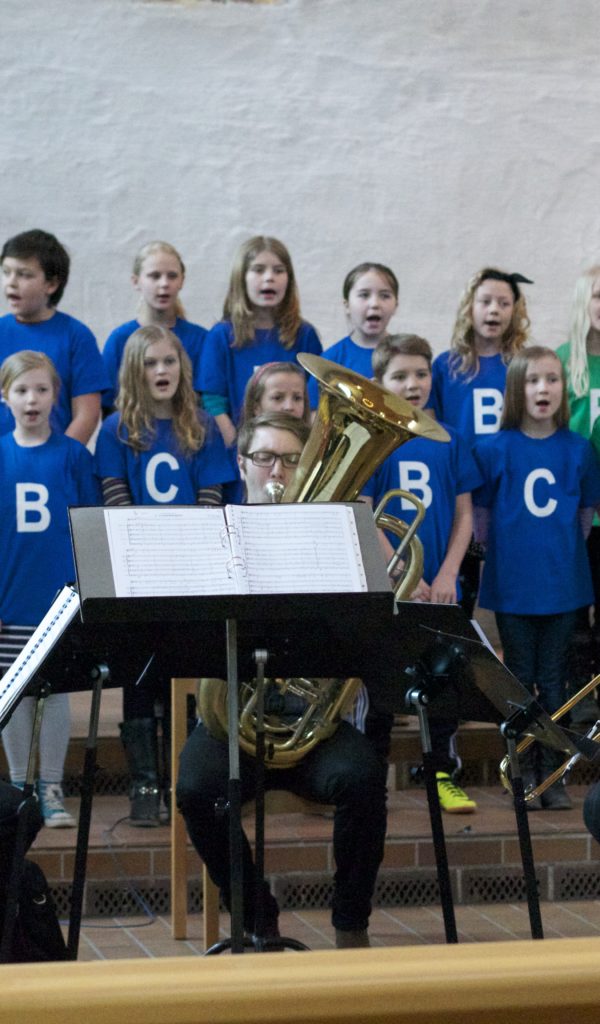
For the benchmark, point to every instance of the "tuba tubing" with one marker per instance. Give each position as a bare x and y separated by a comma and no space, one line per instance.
357,425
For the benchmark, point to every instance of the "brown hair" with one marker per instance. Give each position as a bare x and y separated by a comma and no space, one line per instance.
514,396
133,402
255,388
237,307
274,420
23,361
398,345
363,268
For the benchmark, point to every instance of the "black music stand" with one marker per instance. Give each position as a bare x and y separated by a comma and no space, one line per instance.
300,633
457,674
63,656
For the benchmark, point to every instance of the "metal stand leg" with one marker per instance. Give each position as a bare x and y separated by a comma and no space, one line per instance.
258,941
533,899
99,676
418,700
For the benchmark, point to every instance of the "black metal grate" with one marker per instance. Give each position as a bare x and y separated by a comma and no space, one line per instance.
303,892
396,889
581,882
498,885
118,900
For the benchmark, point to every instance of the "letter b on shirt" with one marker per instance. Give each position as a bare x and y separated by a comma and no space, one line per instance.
33,514
487,410
414,477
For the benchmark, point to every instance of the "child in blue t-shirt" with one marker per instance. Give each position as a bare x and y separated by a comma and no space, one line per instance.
370,292
442,477
468,381
157,449
158,275
41,474
261,324
35,270
541,484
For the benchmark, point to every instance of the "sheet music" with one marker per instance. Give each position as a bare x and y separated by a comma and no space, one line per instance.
174,552
299,549
36,650
256,549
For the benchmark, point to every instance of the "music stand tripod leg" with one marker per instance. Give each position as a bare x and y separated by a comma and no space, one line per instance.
233,807
261,942
99,675
531,889
417,699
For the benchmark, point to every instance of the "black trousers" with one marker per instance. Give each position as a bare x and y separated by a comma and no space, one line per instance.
347,770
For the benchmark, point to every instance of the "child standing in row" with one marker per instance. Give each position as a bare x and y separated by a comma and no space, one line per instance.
277,387
442,477
261,324
370,294
541,484
469,380
35,271
41,474
156,449
158,275
580,357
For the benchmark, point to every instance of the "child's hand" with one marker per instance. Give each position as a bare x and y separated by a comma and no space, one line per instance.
422,592
443,588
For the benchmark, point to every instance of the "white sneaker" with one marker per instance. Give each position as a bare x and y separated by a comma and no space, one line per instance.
52,806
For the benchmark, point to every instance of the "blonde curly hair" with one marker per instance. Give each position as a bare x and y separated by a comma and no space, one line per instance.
578,372
133,400
463,353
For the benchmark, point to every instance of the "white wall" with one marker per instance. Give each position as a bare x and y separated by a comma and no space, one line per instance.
436,137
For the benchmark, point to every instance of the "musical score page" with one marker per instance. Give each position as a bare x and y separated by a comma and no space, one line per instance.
184,551
299,549
172,552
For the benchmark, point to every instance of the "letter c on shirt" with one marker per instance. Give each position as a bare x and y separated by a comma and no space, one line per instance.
539,510
171,492
414,477
33,514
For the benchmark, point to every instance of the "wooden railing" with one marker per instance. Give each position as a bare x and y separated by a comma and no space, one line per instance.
547,982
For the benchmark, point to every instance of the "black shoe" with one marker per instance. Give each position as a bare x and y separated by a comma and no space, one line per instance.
357,939
556,798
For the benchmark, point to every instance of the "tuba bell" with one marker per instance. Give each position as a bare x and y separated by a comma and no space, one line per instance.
357,425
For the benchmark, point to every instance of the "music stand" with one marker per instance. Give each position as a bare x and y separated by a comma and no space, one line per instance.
305,634
445,679
62,656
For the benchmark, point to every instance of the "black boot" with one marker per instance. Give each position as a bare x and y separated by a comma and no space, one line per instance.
141,747
555,798
530,777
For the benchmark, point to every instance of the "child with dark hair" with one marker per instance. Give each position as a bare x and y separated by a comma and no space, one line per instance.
35,271
370,294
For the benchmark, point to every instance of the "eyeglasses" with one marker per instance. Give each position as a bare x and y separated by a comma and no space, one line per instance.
289,460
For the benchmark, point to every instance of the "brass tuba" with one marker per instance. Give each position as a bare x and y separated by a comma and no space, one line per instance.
357,425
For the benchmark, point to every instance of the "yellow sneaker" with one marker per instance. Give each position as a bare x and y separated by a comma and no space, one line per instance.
453,799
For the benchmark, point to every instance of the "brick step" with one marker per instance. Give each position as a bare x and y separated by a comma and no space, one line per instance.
483,855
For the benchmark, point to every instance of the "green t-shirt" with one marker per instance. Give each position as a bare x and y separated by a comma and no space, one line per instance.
586,408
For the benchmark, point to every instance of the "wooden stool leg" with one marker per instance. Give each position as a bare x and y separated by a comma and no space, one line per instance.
210,896
180,688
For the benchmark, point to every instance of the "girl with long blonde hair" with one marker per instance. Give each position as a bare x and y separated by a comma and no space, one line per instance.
156,449
158,275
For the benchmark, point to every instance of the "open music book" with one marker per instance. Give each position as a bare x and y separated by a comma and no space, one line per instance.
239,549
